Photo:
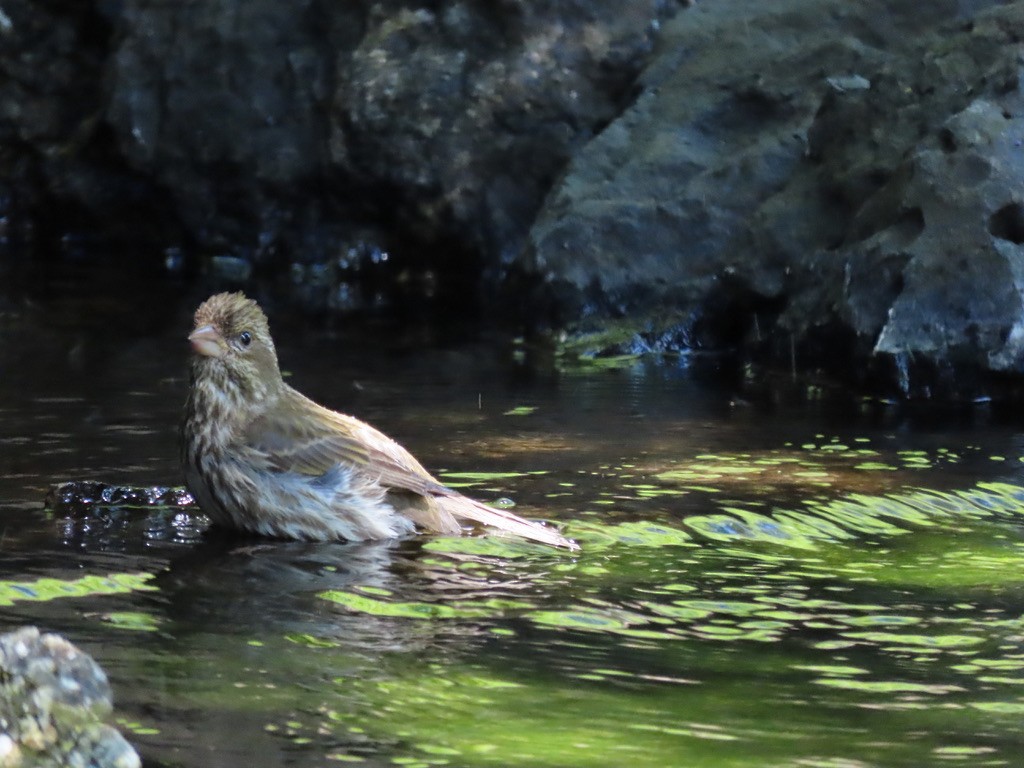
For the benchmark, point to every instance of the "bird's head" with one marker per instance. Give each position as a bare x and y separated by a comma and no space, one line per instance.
232,345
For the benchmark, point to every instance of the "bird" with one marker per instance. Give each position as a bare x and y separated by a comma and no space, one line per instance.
261,457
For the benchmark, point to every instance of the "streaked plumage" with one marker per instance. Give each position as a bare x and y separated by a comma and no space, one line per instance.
261,457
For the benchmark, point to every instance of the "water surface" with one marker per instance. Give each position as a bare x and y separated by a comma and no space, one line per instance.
812,585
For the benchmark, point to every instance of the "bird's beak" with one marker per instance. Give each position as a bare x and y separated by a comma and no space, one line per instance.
207,342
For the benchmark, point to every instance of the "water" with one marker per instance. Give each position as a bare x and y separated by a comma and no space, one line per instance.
812,585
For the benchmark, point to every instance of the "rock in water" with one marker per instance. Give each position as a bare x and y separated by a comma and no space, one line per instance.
53,702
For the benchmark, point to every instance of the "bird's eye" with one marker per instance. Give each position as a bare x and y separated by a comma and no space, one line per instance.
245,338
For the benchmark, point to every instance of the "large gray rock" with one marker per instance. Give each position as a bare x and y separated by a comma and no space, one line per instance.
811,177
660,203
808,179
936,266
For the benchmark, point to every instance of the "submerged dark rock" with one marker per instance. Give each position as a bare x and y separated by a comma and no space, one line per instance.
54,701
76,495
93,513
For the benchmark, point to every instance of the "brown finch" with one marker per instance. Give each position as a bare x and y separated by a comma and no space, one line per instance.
261,457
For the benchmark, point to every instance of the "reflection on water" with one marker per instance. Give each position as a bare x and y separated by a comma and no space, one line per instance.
800,586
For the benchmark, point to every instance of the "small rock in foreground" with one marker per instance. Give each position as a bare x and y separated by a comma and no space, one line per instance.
53,702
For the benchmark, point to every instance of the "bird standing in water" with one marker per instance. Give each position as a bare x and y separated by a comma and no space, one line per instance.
261,457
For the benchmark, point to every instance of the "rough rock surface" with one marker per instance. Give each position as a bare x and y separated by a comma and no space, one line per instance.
266,133
60,171
830,180
283,125
53,703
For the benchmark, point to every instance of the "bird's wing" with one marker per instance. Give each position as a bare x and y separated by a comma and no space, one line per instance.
308,439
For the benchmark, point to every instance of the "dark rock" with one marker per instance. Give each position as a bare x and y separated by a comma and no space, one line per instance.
813,181
75,496
658,201
96,514
469,112
803,180
226,107
59,171
288,133
54,701
287,126
940,271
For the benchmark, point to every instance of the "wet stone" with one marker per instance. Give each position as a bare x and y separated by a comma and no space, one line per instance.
77,496
53,702
101,513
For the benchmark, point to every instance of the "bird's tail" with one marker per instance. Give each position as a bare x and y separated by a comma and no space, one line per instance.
466,508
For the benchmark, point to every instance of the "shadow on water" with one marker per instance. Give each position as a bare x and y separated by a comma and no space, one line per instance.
801,585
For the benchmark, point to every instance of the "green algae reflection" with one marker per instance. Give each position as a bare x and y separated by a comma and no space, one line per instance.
824,541
437,713
652,638
857,515
45,589
413,610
